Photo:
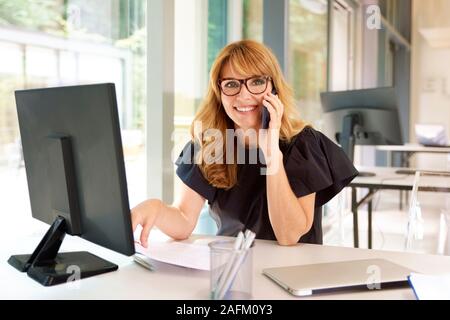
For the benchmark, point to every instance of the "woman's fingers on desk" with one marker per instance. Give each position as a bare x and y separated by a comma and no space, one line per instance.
144,234
145,214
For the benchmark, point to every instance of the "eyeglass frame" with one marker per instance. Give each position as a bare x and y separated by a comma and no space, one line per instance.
243,81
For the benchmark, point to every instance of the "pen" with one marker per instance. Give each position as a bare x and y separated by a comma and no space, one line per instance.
237,245
143,261
241,256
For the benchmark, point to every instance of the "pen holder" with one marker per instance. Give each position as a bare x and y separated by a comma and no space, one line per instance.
231,271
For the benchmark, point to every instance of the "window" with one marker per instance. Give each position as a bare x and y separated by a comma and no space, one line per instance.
217,28
200,33
69,42
342,47
191,34
252,20
307,55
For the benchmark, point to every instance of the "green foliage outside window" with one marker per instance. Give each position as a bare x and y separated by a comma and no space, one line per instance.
126,29
217,28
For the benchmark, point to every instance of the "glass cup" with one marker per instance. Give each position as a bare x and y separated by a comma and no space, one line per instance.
231,271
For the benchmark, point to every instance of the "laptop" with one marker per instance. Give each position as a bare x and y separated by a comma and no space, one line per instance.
305,280
431,135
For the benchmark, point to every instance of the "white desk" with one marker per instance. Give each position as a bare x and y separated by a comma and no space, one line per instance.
388,178
132,281
413,148
408,150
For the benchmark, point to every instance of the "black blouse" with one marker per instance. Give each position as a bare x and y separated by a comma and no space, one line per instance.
313,163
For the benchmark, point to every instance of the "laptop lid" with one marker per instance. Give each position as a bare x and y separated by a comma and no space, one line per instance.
303,280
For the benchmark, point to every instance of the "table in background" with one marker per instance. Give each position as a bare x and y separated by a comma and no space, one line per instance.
406,151
387,178
409,150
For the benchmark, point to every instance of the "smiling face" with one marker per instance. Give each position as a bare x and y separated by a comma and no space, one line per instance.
244,108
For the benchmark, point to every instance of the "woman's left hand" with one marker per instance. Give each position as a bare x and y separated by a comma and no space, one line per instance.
269,139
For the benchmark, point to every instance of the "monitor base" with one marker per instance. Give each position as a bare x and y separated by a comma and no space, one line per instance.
66,267
48,267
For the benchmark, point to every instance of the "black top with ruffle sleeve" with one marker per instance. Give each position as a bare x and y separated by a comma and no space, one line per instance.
313,163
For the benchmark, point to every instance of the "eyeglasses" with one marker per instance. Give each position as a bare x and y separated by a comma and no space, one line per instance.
254,85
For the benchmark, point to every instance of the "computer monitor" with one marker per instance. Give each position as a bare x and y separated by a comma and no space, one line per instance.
362,117
75,170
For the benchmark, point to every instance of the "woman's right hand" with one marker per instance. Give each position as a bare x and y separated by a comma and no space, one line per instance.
146,214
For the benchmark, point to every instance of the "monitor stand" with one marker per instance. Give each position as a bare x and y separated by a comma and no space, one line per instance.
45,264
347,139
48,267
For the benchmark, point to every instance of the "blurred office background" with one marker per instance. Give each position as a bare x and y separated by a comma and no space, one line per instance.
159,52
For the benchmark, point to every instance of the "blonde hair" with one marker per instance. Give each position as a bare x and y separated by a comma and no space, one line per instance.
246,57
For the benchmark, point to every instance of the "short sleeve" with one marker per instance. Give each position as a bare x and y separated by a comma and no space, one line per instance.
189,172
317,164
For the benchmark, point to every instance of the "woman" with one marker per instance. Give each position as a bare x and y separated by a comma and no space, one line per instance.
304,169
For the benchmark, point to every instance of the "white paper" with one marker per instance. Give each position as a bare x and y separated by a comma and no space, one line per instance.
190,254
431,287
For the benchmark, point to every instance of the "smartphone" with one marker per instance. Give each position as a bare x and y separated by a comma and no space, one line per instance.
265,116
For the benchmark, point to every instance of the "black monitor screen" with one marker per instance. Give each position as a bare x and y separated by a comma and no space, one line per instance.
375,114
74,162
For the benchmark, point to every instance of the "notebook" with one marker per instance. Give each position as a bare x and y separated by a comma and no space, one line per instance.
304,280
430,287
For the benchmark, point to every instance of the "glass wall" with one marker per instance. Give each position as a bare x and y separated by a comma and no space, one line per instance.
217,28
191,17
70,42
252,24
307,55
342,47
200,33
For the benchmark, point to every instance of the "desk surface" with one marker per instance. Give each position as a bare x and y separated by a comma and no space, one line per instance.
414,148
132,281
387,178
